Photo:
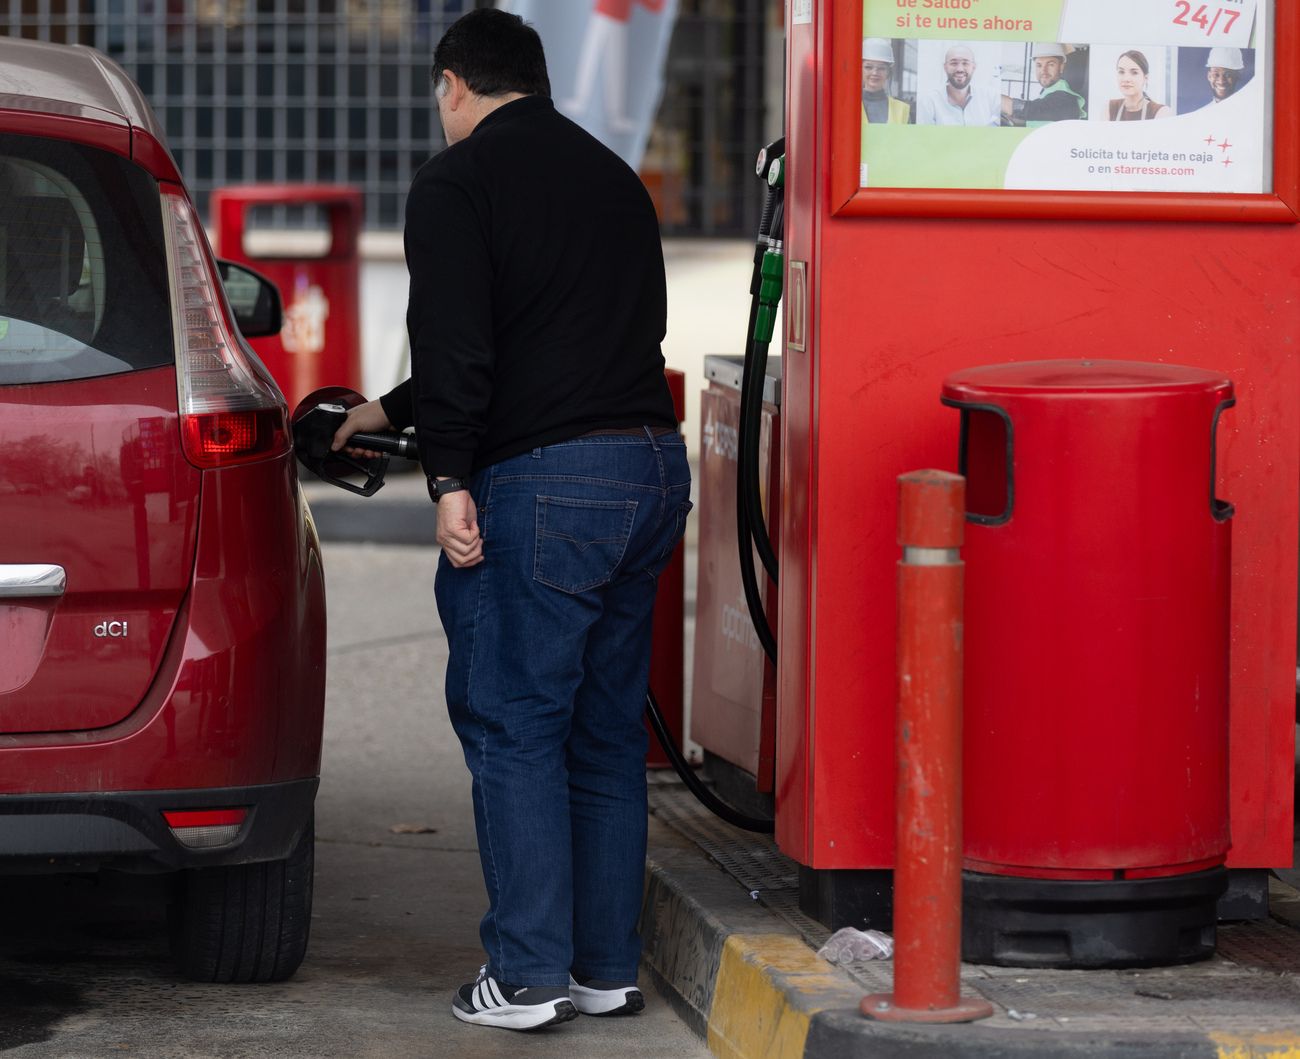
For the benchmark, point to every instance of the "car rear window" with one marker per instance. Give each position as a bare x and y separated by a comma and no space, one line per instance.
83,273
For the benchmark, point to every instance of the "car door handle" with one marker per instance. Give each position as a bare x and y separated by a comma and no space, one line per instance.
22,581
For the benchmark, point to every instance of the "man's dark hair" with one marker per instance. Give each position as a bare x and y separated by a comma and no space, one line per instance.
494,52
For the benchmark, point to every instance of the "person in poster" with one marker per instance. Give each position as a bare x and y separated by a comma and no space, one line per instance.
1223,70
1133,71
959,101
878,106
1058,101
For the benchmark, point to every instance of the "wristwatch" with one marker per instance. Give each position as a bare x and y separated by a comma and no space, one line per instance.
438,488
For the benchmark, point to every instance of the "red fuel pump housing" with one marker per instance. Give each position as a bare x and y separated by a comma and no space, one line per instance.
733,697
889,292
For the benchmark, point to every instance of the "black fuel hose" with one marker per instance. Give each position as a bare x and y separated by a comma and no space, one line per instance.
749,432
750,536
682,767
751,419
750,436
748,447
744,529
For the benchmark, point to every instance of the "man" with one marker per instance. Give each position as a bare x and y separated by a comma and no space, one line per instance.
1057,102
1223,70
958,101
878,106
537,306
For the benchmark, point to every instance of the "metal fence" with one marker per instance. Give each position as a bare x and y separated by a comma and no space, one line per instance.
714,117
338,91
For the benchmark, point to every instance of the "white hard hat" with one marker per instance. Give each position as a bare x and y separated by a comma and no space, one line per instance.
1227,58
1048,51
877,49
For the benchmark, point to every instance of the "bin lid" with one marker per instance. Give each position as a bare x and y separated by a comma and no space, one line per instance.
287,194
1052,378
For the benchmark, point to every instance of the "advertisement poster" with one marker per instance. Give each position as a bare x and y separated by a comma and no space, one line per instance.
1068,95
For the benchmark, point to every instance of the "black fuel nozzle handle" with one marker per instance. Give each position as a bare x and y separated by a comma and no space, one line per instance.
315,422
766,156
771,155
402,445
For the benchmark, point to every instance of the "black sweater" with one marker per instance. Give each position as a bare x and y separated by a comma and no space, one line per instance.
537,299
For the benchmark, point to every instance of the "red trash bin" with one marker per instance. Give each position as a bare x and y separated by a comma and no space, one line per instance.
1096,687
320,342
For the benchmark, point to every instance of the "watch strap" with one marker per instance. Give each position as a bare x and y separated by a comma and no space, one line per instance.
439,488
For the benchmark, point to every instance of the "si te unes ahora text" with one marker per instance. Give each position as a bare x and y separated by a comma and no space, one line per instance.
919,21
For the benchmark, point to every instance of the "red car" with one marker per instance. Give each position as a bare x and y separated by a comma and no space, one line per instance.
162,606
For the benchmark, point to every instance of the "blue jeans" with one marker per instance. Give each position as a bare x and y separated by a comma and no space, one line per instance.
550,656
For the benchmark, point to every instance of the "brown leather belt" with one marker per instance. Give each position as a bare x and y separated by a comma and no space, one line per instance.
658,432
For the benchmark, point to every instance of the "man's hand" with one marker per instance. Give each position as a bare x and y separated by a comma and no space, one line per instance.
458,529
368,418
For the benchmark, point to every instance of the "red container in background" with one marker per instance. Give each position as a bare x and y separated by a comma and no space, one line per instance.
320,342
1097,638
668,638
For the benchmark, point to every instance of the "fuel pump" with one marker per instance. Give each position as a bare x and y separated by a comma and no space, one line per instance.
733,678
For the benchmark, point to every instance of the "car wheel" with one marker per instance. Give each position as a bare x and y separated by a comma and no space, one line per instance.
245,922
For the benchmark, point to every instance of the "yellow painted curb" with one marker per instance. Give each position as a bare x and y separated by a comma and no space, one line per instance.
766,992
1257,1046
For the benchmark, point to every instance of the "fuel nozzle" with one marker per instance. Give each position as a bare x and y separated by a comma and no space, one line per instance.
769,157
771,266
315,422
771,282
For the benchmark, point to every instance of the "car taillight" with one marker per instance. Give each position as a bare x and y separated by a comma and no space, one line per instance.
229,413
205,828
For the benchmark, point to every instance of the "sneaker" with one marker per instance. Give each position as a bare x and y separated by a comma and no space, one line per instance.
592,996
487,1002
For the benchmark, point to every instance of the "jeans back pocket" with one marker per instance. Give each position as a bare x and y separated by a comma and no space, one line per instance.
580,542
678,524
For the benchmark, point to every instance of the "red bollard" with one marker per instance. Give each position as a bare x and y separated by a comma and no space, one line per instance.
927,876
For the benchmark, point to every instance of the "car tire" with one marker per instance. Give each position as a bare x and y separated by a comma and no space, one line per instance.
245,922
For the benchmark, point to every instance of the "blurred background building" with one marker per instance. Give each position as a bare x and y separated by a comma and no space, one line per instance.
338,91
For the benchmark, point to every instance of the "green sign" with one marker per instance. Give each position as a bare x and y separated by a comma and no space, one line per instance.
963,19
1067,95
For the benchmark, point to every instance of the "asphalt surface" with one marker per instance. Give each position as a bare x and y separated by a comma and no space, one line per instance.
84,969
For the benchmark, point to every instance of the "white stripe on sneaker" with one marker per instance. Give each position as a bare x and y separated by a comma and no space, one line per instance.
483,1002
